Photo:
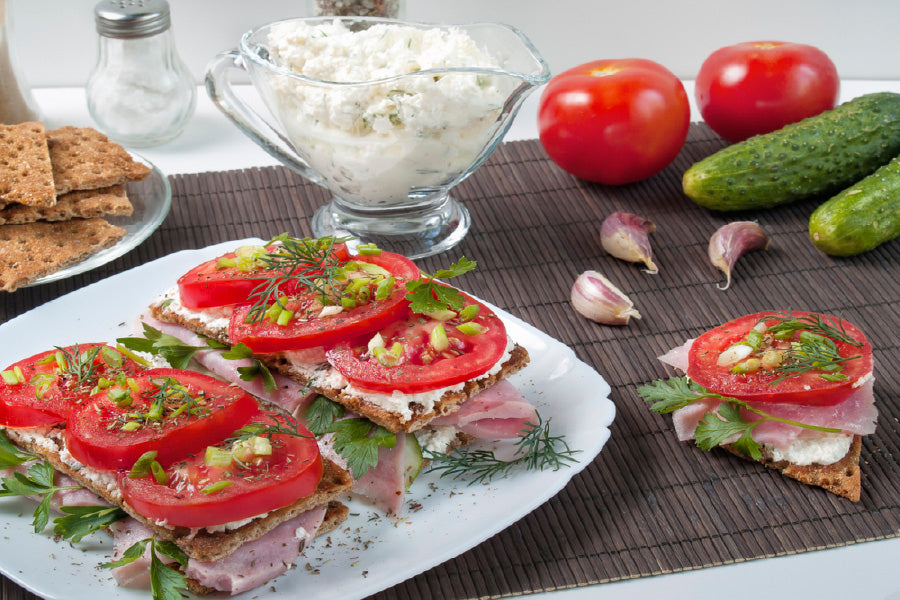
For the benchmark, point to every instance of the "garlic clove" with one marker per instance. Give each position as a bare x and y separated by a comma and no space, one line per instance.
596,298
732,241
626,236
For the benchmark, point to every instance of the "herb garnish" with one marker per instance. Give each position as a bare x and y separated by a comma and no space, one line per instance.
356,439
306,263
718,426
84,520
427,296
166,583
79,365
178,354
38,482
536,450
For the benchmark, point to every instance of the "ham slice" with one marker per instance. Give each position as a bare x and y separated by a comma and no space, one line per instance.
857,414
499,412
288,394
249,567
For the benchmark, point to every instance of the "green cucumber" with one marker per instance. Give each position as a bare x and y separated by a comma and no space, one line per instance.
412,459
815,157
862,216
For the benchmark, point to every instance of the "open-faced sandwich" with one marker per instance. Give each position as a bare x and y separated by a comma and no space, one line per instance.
394,361
792,390
266,385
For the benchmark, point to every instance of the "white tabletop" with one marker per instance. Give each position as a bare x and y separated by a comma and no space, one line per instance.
867,570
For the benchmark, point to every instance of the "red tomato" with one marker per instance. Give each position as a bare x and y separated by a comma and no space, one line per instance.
762,384
420,368
52,388
307,329
614,121
247,488
213,284
107,435
757,87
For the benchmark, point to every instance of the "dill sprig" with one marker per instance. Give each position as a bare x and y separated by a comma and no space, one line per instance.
79,365
281,424
788,323
296,263
536,450
812,352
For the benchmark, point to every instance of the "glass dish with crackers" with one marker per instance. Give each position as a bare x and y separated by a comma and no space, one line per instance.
70,201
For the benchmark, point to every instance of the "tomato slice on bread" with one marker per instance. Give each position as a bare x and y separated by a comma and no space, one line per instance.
410,356
231,278
369,296
171,411
232,480
45,388
797,357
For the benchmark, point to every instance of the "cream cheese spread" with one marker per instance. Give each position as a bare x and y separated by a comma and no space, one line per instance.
821,449
375,140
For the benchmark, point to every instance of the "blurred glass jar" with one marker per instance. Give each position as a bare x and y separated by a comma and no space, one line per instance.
387,9
140,93
16,103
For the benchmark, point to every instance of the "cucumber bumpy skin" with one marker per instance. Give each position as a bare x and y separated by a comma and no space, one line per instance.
817,156
861,217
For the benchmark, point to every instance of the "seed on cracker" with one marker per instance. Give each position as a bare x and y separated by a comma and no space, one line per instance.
26,176
85,159
34,250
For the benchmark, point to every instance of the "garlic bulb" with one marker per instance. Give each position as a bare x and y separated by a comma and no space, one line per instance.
732,241
626,236
596,298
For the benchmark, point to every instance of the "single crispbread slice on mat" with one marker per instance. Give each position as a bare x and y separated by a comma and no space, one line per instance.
33,250
85,159
841,478
82,204
26,175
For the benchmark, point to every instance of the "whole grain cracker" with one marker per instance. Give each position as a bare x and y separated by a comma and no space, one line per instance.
33,250
26,175
85,159
81,204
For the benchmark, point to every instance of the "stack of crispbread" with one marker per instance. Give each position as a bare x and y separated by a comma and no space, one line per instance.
55,188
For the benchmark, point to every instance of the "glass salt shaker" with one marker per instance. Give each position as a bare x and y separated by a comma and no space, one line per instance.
140,93
390,9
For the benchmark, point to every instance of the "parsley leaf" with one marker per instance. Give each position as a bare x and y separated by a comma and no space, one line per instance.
672,394
38,482
80,521
536,450
322,412
10,455
715,428
166,582
427,296
358,440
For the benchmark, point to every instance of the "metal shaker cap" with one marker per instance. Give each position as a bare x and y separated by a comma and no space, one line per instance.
131,18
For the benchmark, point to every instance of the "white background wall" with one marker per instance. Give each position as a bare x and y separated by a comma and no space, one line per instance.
56,39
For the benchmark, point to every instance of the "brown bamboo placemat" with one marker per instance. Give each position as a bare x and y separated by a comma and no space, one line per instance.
648,504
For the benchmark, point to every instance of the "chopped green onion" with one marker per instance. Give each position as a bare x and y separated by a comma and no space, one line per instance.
368,250
348,303
470,328
10,377
217,457
112,357
834,377
215,487
225,263
121,397
376,342
754,339
469,312
142,465
159,474
60,360
384,289
131,426
441,315
372,269
284,317
772,359
156,411
438,338
748,366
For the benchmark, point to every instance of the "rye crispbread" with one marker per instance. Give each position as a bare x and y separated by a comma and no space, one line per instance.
390,420
85,159
841,478
81,204
199,544
26,174
33,250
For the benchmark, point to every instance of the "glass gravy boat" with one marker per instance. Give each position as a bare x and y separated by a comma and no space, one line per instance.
389,149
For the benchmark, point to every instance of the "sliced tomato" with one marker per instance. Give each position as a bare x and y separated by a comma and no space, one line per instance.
171,411
197,494
420,367
55,382
773,380
231,278
309,327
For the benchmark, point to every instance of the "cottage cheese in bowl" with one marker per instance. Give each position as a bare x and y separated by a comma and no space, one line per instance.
386,114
